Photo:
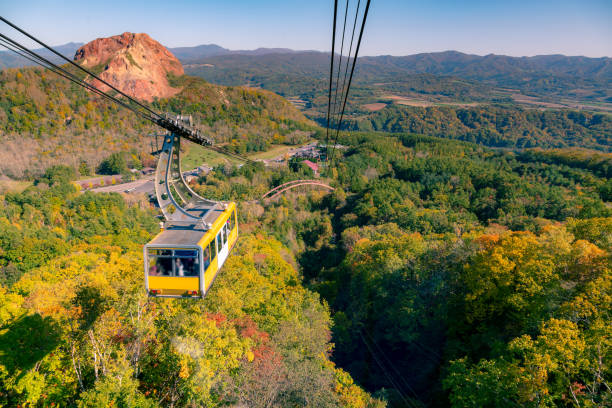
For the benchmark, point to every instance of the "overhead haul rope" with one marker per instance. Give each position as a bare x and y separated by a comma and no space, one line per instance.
348,87
407,401
331,73
232,154
388,360
348,58
334,110
350,47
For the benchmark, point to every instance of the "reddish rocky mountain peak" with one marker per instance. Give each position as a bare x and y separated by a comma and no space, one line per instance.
133,63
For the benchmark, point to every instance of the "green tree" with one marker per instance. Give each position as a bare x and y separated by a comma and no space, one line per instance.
114,164
84,169
59,174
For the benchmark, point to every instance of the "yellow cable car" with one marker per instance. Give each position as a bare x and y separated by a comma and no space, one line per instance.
183,261
197,235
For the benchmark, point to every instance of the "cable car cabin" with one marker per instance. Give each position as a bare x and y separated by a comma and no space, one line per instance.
183,261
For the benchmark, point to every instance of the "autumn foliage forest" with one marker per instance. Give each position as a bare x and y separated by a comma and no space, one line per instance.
45,120
456,274
438,273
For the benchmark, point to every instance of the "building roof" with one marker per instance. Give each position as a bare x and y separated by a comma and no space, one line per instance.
313,166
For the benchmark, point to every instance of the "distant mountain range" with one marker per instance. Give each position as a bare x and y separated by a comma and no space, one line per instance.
444,77
437,63
190,54
8,59
493,100
440,76
549,73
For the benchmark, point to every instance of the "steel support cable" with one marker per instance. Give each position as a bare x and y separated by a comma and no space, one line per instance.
350,48
349,55
331,76
385,373
392,366
230,153
60,71
428,350
52,69
79,67
365,16
335,105
433,356
68,75
16,50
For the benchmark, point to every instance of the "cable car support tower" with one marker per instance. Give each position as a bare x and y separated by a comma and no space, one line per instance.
179,204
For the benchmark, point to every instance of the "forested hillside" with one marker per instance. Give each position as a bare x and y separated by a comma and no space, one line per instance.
457,275
496,126
550,76
77,329
454,274
541,74
46,120
546,101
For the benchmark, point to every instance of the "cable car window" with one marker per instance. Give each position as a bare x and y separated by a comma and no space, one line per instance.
160,252
186,267
206,256
160,266
230,222
179,263
186,253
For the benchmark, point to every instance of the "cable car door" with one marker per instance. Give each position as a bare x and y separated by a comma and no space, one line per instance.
222,245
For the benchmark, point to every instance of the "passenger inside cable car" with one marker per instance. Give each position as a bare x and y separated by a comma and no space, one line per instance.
167,262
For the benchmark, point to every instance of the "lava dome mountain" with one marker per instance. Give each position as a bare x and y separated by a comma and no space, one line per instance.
133,63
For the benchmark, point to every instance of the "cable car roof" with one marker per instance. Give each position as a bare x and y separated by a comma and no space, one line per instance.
193,233
178,236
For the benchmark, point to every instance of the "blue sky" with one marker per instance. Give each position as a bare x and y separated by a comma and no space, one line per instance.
396,27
